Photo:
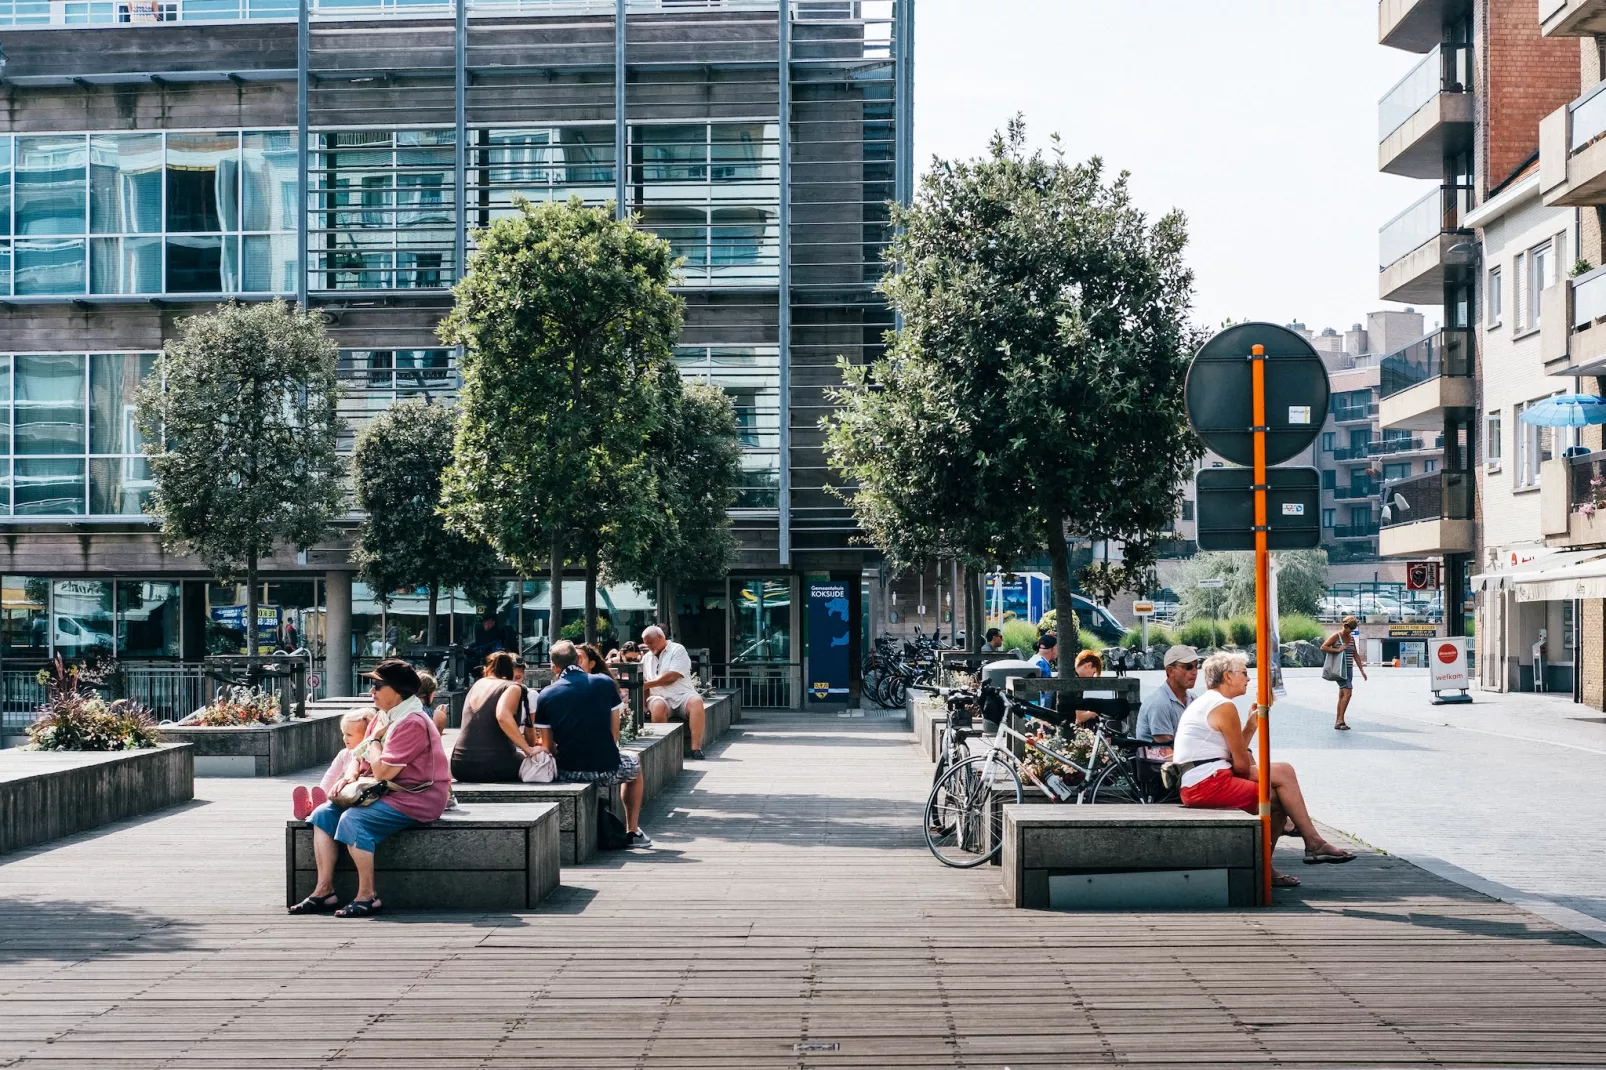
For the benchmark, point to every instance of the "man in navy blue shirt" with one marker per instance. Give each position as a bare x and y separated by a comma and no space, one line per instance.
585,731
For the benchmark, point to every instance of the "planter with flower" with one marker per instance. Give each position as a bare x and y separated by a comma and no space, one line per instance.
243,732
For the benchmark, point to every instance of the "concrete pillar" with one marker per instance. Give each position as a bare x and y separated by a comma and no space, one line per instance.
337,633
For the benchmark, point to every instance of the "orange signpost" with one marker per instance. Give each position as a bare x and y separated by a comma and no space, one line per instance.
1257,357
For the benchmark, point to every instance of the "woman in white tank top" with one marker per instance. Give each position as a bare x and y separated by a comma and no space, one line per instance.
1212,747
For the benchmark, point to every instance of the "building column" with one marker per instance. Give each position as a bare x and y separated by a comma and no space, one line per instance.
337,633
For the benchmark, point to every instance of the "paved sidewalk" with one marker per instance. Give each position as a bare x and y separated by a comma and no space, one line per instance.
791,903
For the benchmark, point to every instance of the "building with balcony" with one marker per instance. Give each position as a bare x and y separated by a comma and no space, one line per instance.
158,157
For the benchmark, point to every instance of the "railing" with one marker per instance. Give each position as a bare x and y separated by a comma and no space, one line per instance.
1355,531
172,692
1440,211
21,695
1353,453
1383,446
763,685
1587,118
136,12
1589,297
1447,352
1350,413
1582,472
1354,491
1447,69
1433,496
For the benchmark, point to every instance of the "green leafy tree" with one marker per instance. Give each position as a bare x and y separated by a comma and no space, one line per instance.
1034,391
567,322
1301,583
239,421
404,540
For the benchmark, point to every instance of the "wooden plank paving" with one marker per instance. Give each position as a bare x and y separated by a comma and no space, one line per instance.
790,901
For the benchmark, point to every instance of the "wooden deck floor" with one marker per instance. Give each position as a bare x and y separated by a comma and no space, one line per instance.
790,903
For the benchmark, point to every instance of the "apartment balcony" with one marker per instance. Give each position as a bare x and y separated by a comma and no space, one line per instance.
1428,515
1349,414
1355,531
1355,492
1390,447
1572,18
1572,152
1427,115
1353,453
1418,247
1414,25
1572,325
1418,384
1567,485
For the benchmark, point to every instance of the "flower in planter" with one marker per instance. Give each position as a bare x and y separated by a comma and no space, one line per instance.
72,720
237,707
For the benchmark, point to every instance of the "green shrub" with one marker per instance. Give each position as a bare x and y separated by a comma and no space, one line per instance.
1019,634
1241,630
1158,636
1294,627
74,720
1049,622
1196,633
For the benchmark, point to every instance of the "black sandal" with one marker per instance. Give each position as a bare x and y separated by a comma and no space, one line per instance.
360,908
315,904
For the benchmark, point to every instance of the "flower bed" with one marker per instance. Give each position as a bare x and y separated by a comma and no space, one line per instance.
243,733
78,721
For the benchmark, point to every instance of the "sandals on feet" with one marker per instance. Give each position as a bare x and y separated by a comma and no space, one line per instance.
317,904
1341,727
1332,857
1284,880
360,908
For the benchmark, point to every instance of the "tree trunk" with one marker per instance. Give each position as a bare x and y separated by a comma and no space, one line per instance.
251,614
555,614
434,603
591,597
1064,609
975,607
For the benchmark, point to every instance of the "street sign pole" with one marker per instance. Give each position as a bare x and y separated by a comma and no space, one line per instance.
1263,651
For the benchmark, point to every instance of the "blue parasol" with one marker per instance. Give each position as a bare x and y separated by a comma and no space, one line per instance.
1566,410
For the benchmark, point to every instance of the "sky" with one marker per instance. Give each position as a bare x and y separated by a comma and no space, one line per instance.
1257,118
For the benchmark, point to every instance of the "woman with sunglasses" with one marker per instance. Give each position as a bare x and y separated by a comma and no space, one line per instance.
403,749
1212,750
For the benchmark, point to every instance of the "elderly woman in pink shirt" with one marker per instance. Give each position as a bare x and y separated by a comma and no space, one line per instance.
403,748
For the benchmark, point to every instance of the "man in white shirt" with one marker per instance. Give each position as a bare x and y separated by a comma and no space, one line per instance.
666,674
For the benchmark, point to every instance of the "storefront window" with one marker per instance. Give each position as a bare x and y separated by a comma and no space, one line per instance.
148,618
25,616
81,617
761,620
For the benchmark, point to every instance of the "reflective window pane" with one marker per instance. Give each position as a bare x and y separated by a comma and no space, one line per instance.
270,181
5,268
119,486
761,620
671,153
25,616
269,263
587,153
148,618
5,188
114,379
49,486
745,151
50,404
125,265
5,419
202,178
125,183
52,191
202,264
81,617
49,266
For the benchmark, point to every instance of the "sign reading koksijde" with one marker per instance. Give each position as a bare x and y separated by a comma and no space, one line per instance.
830,643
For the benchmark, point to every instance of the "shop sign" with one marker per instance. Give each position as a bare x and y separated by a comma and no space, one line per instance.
1447,664
1412,631
829,642
233,617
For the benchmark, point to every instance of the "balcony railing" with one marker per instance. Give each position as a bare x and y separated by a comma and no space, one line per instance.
1447,352
1351,413
1587,119
1582,473
1355,531
1355,491
1447,69
1589,297
1353,453
1439,212
1384,446
1434,496
115,12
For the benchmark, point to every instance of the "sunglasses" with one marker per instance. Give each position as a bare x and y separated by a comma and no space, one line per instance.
1186,666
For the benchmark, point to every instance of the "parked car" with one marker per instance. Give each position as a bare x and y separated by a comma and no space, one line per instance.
73,634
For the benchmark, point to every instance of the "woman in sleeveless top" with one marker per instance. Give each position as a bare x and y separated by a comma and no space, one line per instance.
1343,642
1212,747
491,743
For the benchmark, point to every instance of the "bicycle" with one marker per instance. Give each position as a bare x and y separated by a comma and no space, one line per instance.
967,789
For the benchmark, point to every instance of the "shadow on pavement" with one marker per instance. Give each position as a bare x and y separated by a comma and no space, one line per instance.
66,930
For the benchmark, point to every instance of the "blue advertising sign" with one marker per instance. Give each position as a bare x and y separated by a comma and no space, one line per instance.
233,617
828,642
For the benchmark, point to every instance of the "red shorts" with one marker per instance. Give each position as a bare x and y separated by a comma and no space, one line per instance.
1223,791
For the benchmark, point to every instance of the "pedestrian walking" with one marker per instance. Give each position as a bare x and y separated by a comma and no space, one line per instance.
1342,646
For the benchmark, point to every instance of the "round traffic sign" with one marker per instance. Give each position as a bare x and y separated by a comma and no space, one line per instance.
1220,399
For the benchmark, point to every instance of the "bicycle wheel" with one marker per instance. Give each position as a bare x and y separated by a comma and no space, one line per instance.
897,692
872,683
1117,783
960,807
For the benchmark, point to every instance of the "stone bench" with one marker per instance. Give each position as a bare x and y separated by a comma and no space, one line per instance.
719,713
480,857
928,716
45,795
1130,857
661,749
263,750
577,811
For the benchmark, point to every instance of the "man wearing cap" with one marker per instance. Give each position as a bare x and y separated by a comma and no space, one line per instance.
1158,716
1048,648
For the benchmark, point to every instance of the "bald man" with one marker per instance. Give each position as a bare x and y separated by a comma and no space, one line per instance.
666,674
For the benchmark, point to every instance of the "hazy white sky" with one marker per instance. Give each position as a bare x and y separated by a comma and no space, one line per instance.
1257,118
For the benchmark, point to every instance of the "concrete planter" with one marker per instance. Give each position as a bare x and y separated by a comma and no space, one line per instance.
577,811
661,749
927,718
262,750
45,795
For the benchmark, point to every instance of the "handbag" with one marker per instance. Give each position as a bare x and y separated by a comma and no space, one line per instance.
1333,667
364,791
539,768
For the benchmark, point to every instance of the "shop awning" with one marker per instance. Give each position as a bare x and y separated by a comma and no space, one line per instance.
1576,574
1504,579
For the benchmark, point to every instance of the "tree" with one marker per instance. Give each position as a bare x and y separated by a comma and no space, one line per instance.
1301,583
1034,390
239,421
403,540
567,322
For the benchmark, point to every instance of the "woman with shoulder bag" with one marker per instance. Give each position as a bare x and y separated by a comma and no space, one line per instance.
1343,658
399,779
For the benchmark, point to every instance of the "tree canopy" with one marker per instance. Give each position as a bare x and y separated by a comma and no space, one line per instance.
239,421
1301,583
1035,388
403,540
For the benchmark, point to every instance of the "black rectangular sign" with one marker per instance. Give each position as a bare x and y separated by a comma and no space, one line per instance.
1227,508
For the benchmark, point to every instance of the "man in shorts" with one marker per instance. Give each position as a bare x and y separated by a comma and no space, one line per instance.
666,674
585,730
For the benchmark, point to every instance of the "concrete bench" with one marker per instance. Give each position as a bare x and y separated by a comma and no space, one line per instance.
577,811
661,749
45,795
480,857
928,716
1130,857
719,712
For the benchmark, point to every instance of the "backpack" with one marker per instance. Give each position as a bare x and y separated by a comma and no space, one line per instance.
611,834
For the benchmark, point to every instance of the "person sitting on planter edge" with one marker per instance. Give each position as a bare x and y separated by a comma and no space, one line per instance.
402,749
666,672
583,713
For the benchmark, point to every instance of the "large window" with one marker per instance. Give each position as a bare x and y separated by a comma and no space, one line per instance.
151,213
374,379
752,378
1535,446
384,210
761,620
81,618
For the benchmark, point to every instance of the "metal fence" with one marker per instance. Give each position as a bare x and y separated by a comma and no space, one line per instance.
1434,496
768,686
